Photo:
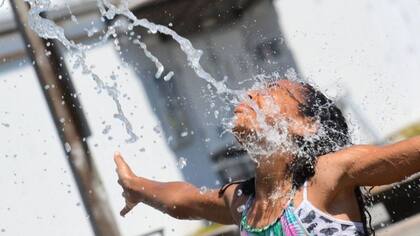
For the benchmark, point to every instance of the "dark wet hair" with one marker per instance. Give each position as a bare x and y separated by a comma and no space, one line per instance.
332,135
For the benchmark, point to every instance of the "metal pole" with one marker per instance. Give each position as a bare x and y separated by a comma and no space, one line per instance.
69,120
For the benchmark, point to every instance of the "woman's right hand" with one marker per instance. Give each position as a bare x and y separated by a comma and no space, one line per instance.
126,179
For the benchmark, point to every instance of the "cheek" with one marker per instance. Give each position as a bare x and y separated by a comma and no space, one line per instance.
244,120
245,124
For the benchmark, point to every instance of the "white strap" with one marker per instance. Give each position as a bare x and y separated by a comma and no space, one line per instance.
305,191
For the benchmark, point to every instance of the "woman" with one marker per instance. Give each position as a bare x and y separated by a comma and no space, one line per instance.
307,184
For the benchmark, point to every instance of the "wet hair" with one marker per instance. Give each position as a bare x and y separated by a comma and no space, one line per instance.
332,135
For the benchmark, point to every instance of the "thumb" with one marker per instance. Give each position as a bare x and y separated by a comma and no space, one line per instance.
125,210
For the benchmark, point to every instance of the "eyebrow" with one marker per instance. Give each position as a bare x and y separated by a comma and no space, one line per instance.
293,96
275,84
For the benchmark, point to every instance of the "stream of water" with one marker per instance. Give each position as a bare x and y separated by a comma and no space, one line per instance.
217,89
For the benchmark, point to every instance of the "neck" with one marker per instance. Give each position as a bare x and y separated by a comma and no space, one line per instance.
272,188
272,180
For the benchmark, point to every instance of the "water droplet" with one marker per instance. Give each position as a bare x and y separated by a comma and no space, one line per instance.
169,76
184,134
106,129
241,208
216,114
157,129
67,146
182,162
74,19
203,189
170,139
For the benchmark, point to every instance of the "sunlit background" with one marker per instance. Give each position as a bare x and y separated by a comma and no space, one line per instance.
363,54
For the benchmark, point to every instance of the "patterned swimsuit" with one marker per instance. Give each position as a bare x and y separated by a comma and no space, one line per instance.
306,220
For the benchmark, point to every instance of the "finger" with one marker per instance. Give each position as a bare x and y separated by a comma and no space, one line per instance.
119,160
125,210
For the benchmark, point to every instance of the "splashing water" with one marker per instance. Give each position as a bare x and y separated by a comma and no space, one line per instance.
182,163
154,59
193,55
203,190
67,147
47,29
241,208
274,136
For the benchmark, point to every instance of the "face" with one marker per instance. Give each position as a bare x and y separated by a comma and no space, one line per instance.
264,108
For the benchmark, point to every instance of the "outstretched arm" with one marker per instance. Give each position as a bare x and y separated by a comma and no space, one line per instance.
374,165
178,199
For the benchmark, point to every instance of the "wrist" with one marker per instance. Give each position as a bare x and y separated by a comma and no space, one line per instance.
136,184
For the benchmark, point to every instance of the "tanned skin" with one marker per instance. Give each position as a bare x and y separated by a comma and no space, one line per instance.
331,189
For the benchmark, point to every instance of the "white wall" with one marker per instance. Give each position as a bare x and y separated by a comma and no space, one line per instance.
371,48
38,193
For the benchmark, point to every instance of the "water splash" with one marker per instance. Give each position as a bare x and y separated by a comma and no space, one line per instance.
169,76
274,136
67,146
47,29
241,208
181,163
194,55
203,190
154,59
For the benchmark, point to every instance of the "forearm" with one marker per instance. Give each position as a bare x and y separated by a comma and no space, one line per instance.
162,196
182,200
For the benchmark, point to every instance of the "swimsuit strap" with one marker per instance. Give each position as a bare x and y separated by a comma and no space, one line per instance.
305,191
